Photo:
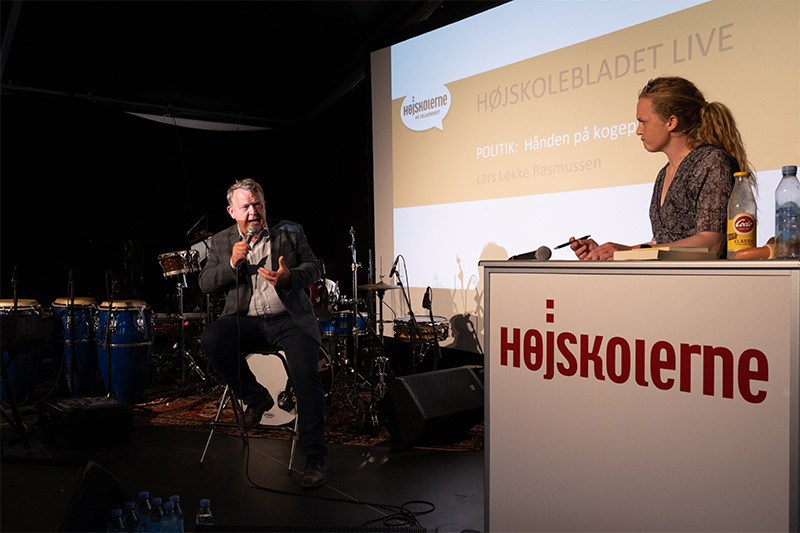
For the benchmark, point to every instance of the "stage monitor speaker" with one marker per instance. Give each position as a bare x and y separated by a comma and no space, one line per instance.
433,405
57,495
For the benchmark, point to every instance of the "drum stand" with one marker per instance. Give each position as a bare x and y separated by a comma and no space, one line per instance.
186,356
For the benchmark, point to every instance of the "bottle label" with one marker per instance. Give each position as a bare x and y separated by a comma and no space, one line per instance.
742,232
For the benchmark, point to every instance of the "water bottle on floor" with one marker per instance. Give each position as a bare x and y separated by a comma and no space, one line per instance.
156,512
129,517
169,522
143,508
204,516
175,499
115,523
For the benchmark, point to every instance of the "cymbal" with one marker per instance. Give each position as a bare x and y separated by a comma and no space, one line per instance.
378,286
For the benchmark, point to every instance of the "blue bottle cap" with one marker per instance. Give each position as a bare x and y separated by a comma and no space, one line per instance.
130,505
168,506
789,169
205,503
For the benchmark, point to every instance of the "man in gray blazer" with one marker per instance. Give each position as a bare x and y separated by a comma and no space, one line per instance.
264,268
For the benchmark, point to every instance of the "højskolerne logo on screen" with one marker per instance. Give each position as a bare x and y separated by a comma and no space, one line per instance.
426,109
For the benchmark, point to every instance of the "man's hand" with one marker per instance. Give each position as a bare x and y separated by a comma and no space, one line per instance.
277,278
239,252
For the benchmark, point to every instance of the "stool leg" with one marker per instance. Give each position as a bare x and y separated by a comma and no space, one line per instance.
294,445
223,401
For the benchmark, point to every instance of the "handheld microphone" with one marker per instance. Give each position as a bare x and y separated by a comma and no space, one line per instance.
394,267
251,231
543,253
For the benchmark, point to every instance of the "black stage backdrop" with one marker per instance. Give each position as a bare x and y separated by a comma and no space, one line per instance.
90,189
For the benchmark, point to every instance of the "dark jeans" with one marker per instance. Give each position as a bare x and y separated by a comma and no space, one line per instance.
228,340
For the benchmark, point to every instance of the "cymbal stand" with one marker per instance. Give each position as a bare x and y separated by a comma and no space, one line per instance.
381,360
370,414
186,356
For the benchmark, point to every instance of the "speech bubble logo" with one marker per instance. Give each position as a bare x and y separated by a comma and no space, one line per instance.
426,109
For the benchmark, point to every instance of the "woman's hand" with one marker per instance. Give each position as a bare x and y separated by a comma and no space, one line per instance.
589,250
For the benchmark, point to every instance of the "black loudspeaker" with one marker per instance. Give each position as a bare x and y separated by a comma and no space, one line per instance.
433,405
97,493
57,495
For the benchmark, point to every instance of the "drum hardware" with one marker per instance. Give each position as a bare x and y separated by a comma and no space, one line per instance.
180,263
380,289
186,356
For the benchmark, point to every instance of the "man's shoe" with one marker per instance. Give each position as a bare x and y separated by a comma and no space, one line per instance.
314,472
252,417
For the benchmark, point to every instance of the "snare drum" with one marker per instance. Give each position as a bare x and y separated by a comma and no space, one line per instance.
127,327
403,328
180,262
76,331
26,328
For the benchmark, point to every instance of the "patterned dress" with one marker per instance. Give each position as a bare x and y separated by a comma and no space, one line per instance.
697,198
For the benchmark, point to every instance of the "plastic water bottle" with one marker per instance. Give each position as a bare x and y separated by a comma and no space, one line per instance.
143,509
169,522
115,524
176,500
787,215
156,512
741,215
204,516
129,517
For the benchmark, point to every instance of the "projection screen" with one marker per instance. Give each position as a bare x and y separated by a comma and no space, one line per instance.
515,129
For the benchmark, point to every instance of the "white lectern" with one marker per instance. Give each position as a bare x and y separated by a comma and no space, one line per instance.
642,395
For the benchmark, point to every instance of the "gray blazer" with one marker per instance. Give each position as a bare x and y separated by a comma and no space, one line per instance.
287,239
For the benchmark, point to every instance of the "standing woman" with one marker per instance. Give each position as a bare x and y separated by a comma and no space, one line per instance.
703,149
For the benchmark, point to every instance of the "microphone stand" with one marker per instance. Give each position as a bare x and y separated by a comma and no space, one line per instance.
109,327
429,307
414,326
71,328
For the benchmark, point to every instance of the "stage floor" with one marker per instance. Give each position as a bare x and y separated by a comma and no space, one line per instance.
248,484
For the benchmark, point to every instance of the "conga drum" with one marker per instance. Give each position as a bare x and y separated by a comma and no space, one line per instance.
24,332
125,337
76,332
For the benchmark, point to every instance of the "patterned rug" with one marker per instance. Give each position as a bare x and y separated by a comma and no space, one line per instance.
195,411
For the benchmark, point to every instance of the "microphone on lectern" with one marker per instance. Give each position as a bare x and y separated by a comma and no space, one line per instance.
543,253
